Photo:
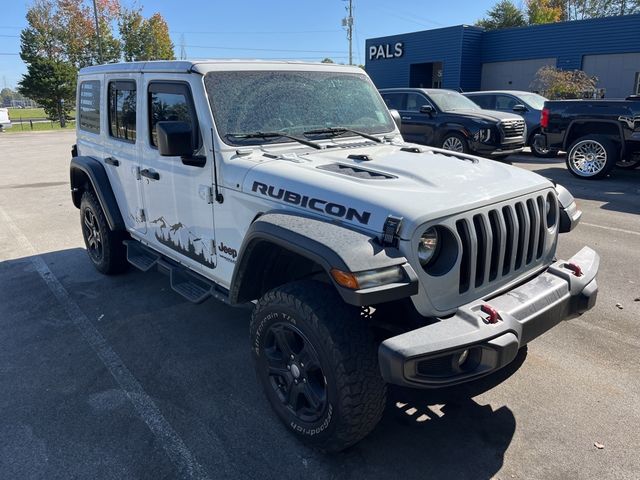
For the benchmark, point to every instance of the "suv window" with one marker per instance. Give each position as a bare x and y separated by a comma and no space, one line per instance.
415,101
89,106
170,102
504,102
122,110
394,101
485,101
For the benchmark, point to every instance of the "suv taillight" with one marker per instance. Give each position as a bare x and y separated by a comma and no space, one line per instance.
544,118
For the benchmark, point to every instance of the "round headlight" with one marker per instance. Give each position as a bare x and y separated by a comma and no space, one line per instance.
428,246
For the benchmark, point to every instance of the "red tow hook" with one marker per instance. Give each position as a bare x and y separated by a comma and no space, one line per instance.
494,316
577,271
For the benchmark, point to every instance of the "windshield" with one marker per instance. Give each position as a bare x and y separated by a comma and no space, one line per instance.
293,102
534,100
447,100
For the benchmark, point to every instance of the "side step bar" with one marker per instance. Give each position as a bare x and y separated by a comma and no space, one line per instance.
190,285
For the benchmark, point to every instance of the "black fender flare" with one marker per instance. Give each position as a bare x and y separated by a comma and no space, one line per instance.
573,123
83,168
329,245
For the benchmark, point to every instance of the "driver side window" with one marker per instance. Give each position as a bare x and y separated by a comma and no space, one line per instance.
170,102
505,103
415,101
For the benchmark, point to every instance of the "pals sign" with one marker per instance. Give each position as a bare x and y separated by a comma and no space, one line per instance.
386,51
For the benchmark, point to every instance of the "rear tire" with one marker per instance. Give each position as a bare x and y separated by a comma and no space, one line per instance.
104,246
592,157
541,152
317,361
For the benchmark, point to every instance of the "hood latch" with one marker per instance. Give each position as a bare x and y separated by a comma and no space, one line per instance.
390,231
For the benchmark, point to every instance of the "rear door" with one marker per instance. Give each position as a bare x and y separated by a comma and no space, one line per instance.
121,152
177,196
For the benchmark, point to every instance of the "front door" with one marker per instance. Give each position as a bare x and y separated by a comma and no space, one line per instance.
416,126
177,196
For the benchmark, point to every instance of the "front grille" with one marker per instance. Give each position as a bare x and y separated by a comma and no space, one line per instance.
512,128
500,241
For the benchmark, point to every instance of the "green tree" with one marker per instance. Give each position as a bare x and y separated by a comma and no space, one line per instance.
504,14
327,60
144,39
51,83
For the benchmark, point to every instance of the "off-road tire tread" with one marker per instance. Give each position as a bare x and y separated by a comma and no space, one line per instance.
114,251
346,335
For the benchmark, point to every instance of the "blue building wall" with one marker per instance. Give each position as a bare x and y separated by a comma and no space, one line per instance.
463,49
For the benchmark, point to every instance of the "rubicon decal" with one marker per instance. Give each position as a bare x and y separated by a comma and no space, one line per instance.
316,204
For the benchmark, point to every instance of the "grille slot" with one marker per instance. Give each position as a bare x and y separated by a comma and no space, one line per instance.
501,241
512,128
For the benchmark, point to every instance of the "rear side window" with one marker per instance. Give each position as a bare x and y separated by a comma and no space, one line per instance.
504,102
89,106
394,101
170,102
122,110
484,101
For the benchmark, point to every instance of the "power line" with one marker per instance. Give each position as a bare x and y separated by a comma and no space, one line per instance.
215,47
256,33
10,54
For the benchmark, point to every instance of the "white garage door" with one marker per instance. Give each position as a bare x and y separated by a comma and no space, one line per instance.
617,73
516,75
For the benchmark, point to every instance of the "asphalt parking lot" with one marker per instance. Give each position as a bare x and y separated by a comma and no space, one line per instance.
119,377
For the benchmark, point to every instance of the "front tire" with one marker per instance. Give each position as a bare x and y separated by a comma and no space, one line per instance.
104,246
455,142
592,157
318,365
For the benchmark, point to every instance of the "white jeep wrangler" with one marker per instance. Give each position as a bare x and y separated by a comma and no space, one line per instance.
370,261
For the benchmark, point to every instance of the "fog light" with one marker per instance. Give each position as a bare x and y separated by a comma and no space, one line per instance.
463,357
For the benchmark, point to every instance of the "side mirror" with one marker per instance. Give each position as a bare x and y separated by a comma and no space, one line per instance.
396,118
427,109
175,139
520,108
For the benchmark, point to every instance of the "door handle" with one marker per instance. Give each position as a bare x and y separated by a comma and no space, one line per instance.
112,161
145,172
406,118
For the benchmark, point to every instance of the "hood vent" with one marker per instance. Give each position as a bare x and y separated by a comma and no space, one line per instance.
356,172
446,153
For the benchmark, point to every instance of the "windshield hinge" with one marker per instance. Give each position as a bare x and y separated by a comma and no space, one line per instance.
390,231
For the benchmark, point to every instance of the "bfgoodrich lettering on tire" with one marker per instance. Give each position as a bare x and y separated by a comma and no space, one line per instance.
317,362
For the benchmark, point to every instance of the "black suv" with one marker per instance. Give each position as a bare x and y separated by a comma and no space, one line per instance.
447,119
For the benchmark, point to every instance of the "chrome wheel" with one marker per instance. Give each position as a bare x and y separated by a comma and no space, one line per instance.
91,231
588,158
453,144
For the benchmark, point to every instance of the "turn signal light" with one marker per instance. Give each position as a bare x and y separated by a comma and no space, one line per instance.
345,279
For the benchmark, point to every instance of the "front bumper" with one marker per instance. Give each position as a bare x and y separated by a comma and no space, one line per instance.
503,149
431,356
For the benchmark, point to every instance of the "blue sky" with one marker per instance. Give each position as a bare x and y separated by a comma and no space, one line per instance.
302,29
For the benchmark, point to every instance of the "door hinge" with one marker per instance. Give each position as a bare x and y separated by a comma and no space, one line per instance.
213,246
143,217
210,196
138,176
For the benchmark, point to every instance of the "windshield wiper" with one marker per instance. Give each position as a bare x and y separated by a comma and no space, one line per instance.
340,131
274,135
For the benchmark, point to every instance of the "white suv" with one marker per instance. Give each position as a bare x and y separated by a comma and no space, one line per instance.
5,121
370,261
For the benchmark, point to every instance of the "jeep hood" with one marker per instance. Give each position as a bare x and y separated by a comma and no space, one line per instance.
486,115
418,187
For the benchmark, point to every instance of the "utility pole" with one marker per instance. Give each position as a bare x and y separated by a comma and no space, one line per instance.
348,23
183,51
95,14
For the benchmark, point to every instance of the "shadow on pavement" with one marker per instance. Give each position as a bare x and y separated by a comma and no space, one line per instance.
619,192
194,362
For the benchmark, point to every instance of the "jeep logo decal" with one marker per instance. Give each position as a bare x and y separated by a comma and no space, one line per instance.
316,204
232,252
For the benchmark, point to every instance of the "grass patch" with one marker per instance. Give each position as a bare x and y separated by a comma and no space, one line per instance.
17,113
38,127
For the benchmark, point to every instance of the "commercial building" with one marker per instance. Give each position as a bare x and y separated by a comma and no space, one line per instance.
469,58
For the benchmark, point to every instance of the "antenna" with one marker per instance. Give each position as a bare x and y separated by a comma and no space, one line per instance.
95,14
348,24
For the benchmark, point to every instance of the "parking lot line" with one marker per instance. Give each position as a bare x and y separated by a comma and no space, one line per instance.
146,408
622,230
